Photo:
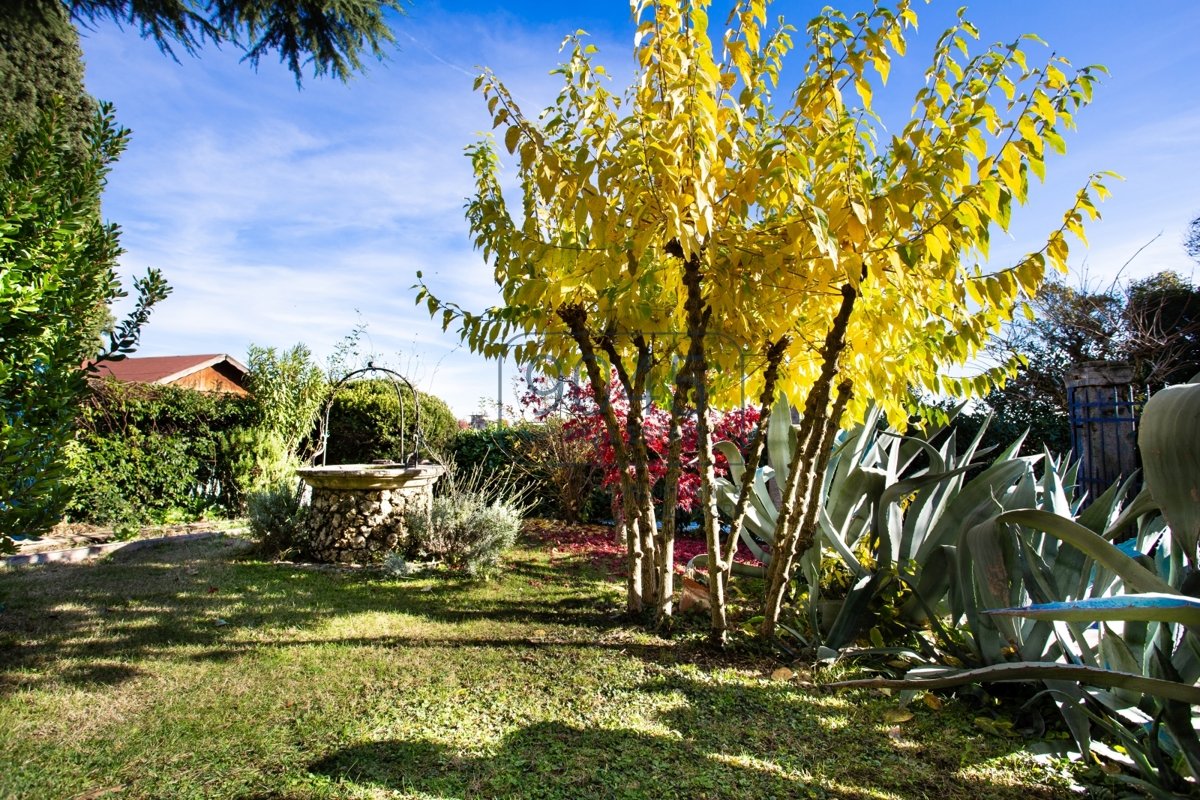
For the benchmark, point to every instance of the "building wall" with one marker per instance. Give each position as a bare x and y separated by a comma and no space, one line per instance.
213,379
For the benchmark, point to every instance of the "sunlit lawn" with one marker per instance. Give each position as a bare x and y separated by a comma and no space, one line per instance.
194,670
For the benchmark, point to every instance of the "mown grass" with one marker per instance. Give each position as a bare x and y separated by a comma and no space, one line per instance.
195,671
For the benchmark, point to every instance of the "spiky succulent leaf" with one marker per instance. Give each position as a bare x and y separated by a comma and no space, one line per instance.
1147,607
1169,442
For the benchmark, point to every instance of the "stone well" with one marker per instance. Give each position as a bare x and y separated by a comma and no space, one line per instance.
357,510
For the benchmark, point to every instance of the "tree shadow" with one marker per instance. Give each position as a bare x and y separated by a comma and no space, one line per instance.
841,739
56,619
706,756
556,760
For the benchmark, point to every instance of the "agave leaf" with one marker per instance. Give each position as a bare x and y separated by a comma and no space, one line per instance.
1118,656
1136,577
1039,582
762,496
845,502
930,585
1054,496
756,526
904,451
733,456
839,541
1127,711
1144,503
976,502
1031,671
987,573
1070,698
912,446
1102,511
781,439
972,449
1169,443
898,534
1147,607
859,444
854,611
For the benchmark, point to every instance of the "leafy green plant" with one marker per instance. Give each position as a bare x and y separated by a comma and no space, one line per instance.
276,517
893,506
466,531
1049,595
367,422
472,521
57,278
555,480
396,565
147,454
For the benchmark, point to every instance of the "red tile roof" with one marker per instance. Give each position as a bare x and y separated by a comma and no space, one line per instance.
161,369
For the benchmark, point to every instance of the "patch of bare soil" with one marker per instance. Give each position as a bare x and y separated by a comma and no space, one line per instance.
68,535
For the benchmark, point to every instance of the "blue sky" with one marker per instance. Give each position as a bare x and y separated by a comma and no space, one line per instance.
282,215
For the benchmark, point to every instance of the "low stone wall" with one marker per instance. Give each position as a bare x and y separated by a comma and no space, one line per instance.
362,525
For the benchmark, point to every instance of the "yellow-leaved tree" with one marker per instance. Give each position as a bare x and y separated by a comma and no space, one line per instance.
703,230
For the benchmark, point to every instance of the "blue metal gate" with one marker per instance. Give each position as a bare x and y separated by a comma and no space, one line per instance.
1104,408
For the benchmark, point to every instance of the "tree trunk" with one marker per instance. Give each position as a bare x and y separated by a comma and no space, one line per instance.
575,318
800,527
666,537
753,455
635,443
795,528
696,366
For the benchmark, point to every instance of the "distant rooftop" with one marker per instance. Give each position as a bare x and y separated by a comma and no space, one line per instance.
163,370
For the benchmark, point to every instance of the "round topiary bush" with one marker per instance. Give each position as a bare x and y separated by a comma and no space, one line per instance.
366,423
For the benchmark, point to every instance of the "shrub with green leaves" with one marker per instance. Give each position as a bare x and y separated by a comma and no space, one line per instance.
471,522
155,454
368,422
467,532
276,517
558,476
57,278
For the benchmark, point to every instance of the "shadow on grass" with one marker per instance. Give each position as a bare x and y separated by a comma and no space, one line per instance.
793,752
200,594
711,737
556,760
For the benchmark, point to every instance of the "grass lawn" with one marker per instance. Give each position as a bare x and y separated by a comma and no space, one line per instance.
193,670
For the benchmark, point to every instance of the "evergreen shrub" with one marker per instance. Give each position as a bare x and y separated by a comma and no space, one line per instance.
276,517
154,454
560,478
366,423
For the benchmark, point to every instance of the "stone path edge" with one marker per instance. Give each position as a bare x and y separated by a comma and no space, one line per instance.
76,554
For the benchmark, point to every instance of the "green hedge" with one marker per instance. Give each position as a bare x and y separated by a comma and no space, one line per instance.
365,423
156,454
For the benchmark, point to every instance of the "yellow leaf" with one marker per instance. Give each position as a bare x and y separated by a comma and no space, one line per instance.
511,137
864,91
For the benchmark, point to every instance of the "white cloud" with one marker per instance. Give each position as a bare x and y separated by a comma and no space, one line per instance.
282,215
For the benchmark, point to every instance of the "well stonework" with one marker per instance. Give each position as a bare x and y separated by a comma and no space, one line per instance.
357,511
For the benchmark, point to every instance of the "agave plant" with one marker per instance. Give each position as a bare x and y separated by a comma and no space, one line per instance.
893,509
1111,629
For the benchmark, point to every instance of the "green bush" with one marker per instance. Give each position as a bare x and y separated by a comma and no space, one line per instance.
276,517
365,423
155,454
467,531
476,516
